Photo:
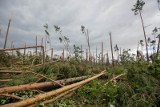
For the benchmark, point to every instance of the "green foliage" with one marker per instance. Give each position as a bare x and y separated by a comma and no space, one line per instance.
5,59
77,52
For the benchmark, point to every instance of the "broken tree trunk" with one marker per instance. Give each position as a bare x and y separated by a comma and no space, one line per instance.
7,32
40,85
39,97
5,80
10,71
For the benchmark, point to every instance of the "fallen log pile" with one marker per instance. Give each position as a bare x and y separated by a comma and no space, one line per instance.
32,100
40,85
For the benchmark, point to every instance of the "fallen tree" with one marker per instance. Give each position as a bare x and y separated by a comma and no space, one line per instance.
5,80
40,85
39,97
10,71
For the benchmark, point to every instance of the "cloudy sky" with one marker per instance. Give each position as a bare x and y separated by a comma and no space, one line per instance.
99,16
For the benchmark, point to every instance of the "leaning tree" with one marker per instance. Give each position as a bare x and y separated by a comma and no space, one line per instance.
138,10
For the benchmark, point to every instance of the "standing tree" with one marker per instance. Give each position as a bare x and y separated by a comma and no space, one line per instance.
111,48
85,32
138,10
63,39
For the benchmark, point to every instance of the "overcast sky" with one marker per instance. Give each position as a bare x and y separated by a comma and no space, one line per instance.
99,16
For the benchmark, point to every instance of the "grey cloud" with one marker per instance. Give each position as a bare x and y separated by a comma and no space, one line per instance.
99,16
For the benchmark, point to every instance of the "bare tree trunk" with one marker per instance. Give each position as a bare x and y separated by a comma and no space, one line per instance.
102,54
144,36
51,53
36,45
111,49
96,55
99,58
158,47
81,53
63,55
89,46
24,54
86,55
7,33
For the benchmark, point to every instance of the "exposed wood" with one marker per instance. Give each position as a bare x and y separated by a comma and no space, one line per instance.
39,97
41,85
7,32
5,80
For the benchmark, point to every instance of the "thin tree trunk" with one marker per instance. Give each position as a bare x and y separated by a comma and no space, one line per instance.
158,46
111,49
81,53
144,36
102,53
51,53
36,45
89,46
7,33
86,55
24,54
96,55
